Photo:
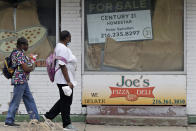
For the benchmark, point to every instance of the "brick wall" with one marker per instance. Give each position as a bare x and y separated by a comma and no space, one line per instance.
45,94
71,20
190,32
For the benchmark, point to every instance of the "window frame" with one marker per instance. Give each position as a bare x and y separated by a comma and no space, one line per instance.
184,72
43,70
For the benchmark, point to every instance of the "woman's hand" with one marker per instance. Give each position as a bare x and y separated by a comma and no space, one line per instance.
27,68
70,85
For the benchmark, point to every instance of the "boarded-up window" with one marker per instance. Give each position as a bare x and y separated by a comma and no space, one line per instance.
134,35
33,19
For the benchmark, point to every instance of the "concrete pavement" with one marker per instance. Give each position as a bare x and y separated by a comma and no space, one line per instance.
87,127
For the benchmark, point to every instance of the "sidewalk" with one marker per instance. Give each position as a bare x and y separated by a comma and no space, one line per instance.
87,127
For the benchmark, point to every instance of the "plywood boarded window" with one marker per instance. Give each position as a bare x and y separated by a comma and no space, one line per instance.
122,43
33,19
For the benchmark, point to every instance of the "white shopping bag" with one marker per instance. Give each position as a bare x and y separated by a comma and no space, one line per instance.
67,90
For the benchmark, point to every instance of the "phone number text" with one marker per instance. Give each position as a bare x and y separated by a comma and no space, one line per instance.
120,34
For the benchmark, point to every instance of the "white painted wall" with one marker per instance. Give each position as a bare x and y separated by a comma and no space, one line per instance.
71,20
190,33
45,94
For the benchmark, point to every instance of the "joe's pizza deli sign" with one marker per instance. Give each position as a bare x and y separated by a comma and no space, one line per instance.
134,90
124,20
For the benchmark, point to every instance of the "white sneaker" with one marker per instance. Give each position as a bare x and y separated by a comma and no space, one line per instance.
48,121
70,127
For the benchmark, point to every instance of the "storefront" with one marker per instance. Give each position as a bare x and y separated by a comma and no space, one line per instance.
134,54
131,53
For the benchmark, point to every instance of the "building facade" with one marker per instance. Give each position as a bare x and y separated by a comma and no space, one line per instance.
101,72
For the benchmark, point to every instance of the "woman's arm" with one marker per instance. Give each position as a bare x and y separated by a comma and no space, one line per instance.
26,68
66,76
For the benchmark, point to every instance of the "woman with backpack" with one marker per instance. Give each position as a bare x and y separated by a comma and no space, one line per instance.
64,77
23,67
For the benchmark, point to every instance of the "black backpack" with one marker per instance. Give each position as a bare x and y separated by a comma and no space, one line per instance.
8,69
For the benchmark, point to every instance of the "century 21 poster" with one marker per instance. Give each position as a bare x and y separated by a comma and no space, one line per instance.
134,90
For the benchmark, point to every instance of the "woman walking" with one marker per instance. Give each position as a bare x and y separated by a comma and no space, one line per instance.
65,76
23,67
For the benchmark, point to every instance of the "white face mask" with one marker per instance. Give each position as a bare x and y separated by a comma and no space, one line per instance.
68,43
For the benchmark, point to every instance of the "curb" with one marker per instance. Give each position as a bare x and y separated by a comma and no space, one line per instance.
25,118
75,118
122,120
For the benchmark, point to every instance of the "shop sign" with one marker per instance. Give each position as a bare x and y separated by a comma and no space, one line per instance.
134,90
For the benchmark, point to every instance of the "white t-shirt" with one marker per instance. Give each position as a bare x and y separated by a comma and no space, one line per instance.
63,51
